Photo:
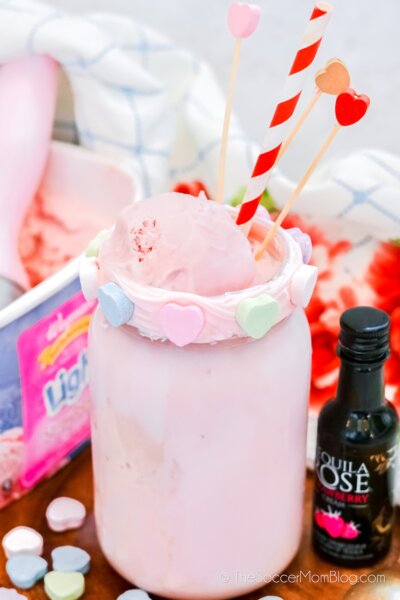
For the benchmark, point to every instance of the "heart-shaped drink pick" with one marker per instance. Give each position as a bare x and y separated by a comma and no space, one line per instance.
242,22
334,78
350,107
243,19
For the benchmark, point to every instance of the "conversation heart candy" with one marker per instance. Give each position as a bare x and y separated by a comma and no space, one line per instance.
24,570
22,540
64,586
70,558
117,307
303,284
181,324
135,594
257,315
304,241
89,276
93,248
10,594
65,513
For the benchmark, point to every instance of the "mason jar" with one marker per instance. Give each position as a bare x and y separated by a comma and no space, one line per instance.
199,450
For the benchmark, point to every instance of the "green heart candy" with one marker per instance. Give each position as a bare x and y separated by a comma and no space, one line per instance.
93,248
257,315
59,585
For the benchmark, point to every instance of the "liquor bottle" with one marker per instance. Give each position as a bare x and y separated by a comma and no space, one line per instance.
356,448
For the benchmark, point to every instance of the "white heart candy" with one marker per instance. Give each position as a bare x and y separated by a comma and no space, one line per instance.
89,276
65,513
302,285
22,540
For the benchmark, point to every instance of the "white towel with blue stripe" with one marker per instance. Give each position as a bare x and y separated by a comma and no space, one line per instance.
158,110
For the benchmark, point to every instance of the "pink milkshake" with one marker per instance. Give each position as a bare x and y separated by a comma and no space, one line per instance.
199,368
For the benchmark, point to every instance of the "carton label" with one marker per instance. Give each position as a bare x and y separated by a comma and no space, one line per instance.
53,365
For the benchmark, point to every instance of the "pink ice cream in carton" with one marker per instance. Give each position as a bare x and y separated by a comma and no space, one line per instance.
44,396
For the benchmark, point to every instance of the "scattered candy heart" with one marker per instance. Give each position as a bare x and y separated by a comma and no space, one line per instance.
65,513
181,324
116,306
10,594
304,241
70,558
89,276
24,570
334,78
350,107
243,19
257,315
93,248
135,594
22,540
64,586
303,284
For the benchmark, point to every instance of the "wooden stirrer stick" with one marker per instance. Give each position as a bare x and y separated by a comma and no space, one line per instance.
317,95
296,193
333,79
242,21
350,107
227,120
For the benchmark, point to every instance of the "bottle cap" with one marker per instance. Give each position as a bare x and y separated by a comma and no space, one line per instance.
364,335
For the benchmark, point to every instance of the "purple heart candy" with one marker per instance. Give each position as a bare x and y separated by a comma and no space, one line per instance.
304,241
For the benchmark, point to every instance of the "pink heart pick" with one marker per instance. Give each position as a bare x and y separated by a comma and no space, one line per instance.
181,324
243,19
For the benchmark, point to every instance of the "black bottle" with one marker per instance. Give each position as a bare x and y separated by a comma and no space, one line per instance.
356,449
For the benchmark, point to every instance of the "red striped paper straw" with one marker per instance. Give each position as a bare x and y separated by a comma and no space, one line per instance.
276,131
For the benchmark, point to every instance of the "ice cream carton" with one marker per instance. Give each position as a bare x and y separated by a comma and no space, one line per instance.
44,396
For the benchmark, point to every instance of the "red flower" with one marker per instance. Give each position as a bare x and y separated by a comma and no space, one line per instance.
191,187
384,278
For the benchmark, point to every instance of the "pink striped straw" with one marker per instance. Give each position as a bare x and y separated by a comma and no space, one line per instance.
276,131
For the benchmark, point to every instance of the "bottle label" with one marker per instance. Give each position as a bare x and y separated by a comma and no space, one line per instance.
353,505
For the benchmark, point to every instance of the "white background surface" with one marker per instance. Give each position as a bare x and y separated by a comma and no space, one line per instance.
363,33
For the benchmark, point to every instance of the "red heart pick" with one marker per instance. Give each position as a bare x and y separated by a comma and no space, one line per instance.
350,107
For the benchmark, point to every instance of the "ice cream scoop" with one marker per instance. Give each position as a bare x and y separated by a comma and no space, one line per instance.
181,243
28,88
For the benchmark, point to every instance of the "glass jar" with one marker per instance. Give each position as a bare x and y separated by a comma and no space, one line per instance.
199,451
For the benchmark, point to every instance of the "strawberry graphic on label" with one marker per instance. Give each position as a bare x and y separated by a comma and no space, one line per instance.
350,531
333,524
319,518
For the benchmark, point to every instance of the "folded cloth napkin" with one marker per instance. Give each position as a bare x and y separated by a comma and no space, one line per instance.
131,94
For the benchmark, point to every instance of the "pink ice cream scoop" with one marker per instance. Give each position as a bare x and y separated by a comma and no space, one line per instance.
181,243
28,88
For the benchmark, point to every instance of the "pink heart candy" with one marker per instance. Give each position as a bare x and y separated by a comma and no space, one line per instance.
243,19
181,324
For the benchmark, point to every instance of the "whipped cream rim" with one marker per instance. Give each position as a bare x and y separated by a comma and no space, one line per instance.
224,316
